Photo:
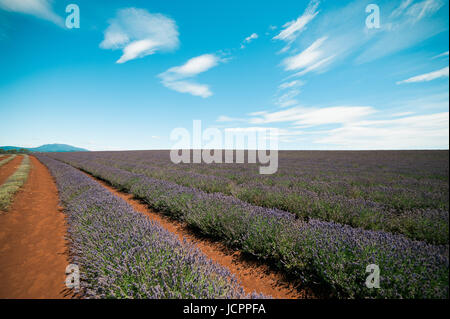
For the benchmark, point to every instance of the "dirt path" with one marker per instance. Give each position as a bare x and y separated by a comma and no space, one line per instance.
33,255
253,275
9,168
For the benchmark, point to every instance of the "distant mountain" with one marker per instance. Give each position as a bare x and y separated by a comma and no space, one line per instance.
49,148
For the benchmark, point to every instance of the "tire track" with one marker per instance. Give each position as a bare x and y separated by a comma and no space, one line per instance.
33,254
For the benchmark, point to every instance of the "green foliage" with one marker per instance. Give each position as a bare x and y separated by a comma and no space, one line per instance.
13,183
6,160
15,151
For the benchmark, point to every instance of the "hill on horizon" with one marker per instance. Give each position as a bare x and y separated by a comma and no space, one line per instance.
48,148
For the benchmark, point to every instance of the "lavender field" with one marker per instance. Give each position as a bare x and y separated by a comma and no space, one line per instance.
123,254
399,192
323,217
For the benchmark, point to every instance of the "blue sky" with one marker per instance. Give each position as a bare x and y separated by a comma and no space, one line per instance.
136,70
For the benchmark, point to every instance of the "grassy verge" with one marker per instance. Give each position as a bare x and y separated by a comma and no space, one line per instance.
13,183
7,160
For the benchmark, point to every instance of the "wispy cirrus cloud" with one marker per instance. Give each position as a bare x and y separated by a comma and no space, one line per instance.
330,40
292,29
355,127
287,93
224,118
325,42
429,131
290,84
288,99
410,23
175,77
309,116
422,9
442,73
139,33
444,54
38,8
313,58
281,135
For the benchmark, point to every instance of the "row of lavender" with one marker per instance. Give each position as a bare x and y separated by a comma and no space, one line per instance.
123,254
333,253
407,196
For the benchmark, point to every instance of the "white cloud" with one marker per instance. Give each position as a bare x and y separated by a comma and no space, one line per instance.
420,123
409,25
247,129
313,58
356,129
140,33
315,116
249,39
444,72
137,49
287,91
421,104
268,133
401,8
192,67
307,57
441,55
292,29
424,9
286,85
174,78
329,39
318,66
413,132
224,118
288,99
257,113
39,8
402,114
190,87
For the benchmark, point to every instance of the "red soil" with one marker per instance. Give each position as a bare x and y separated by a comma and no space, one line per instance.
33,255
9,168
252,274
